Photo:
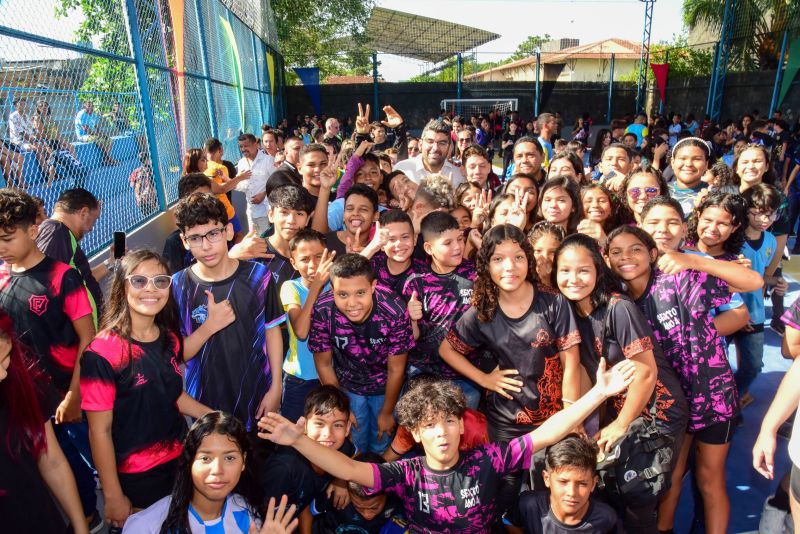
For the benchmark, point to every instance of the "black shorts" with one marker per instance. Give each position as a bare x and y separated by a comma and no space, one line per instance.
717,434
143,489
794,483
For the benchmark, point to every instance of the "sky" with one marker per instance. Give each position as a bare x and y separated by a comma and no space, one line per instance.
515,20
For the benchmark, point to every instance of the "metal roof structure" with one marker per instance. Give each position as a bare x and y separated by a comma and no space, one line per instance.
423,38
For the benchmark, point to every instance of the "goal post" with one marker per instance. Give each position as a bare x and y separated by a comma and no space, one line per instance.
467,107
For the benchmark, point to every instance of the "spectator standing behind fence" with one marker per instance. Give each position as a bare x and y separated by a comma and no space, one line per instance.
88,130
23,136
261,166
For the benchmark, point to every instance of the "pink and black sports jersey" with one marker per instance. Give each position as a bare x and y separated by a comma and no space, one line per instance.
629,335
460,499
361,352
140,383
445,298
791,317
43,302
678,309
395,282
529,344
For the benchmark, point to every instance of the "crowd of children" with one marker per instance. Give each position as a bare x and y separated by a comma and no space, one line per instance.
402,339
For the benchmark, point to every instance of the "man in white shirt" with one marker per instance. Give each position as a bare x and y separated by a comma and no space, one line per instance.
435,146
23,134
254,188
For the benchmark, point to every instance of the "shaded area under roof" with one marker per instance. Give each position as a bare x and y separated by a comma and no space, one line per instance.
423,38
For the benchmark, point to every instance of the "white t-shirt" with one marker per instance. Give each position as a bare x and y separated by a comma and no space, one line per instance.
235,519
262,167
415,170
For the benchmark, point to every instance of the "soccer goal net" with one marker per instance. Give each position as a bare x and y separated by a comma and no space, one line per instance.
467,107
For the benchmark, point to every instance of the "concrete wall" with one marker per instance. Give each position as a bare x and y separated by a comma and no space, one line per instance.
417,102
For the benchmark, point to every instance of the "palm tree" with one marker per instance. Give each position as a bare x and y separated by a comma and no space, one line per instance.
758,27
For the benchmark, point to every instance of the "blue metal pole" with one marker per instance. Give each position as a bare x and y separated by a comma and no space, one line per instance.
610,87
661,102
721,70
536,98
713,79
375,110
144,97
644,56
459,72
201,37
779,74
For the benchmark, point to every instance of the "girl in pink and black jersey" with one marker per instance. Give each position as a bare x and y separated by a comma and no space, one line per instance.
132,389
676,292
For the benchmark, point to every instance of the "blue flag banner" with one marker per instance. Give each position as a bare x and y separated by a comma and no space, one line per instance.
310,78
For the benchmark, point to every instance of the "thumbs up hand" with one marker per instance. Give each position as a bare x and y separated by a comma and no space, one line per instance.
220,314
414,307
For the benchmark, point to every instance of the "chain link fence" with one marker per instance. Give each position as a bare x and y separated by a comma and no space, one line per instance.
108,95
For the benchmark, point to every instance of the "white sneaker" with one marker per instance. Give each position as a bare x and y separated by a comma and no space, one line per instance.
773,520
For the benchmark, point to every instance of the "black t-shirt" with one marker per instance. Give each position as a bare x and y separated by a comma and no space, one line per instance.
509,150
43,302
536,517
287,472
335,244
395,282
176,255
231,371
140,383
531,344
280,267
57,241
630,334
26,505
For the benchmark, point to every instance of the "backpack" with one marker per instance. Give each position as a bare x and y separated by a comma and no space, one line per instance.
638,468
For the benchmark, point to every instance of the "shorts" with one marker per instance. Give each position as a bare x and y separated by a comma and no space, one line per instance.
794,484
716,434
237,226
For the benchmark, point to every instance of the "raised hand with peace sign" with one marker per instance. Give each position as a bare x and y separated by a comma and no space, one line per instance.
362,120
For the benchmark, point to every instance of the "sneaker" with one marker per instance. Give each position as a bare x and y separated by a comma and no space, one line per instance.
778,327
772,520
97,525
745,400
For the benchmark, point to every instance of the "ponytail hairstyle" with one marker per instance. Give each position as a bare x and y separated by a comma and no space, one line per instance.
735,205
485,295
25,435
177,520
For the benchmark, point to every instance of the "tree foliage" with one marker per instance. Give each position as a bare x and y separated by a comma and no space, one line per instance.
527,47
684,60
329,35
758,27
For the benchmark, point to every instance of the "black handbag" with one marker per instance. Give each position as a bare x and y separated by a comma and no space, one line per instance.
638,468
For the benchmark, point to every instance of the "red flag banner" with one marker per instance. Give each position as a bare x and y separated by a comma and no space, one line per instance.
660,74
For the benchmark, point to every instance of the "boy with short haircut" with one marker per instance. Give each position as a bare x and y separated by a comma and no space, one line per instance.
289,209
760,246
52,314
570,474
313,160
310,258
391,250
360,337
178,258
229,317
374,513
445,489
438,296
326,421
360,211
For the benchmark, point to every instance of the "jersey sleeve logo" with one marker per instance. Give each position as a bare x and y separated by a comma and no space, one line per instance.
38,304
200,314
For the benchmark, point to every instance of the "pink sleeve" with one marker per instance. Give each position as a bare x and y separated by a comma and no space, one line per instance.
353,164
77,305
